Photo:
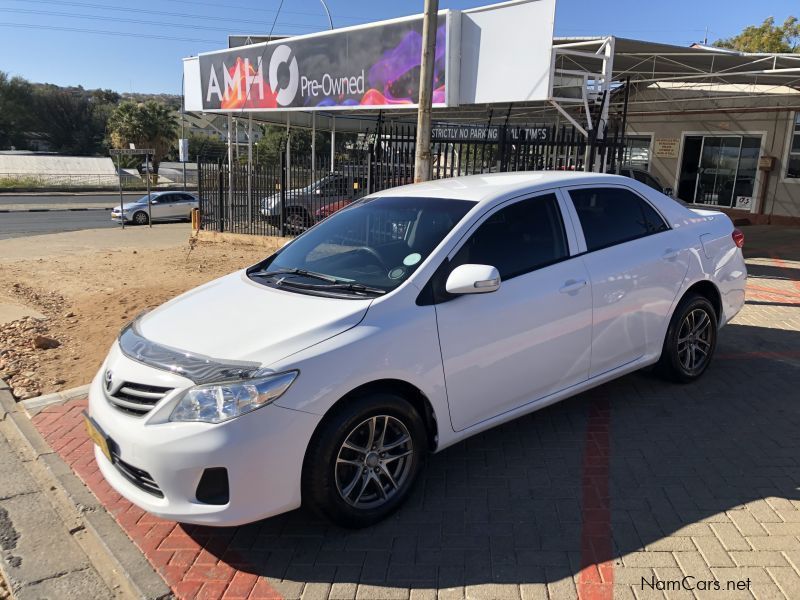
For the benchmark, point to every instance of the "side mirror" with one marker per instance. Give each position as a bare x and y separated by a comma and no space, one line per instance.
473,279
154,201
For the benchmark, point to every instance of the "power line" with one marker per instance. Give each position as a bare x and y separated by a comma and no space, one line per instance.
136,21
146,11
108,32
255,8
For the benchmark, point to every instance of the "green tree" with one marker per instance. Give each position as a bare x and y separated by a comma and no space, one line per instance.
202,144
766,37
16,116
72,121
147,125
273,142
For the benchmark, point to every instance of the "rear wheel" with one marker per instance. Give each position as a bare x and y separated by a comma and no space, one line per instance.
140,218
297,220
690,341
362,463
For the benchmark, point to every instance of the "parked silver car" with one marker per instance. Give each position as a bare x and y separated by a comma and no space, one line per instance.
301,204
164,206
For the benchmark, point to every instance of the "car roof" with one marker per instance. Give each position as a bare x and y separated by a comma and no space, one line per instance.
493,186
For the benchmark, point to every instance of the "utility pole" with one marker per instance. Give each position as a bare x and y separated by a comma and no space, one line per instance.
422,154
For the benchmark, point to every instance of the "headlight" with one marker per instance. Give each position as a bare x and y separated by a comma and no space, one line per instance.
218,402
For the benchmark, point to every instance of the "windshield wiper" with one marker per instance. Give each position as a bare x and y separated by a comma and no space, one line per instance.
301,272
339,285
333,282
353,287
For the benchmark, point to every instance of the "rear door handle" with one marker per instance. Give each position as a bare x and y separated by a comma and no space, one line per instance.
573,285
670,254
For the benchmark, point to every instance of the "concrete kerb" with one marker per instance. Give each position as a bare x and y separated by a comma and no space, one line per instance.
34,406
109,549
272,242
57,209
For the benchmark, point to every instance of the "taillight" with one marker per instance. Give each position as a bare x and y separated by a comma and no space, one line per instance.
738,238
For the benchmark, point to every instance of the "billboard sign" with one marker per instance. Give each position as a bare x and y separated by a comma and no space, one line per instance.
370,66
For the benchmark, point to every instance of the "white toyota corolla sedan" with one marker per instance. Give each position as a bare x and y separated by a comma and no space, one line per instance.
402,324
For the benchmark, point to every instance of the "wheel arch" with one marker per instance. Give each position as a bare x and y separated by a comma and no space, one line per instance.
418,400
709,291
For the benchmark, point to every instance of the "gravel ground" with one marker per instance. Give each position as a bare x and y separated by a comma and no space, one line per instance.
87,296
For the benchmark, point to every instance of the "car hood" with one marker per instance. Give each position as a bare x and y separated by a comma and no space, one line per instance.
234,318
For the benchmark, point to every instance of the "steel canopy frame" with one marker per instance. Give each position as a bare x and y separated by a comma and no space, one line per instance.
594,75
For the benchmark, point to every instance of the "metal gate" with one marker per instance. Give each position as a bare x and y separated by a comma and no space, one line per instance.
283,198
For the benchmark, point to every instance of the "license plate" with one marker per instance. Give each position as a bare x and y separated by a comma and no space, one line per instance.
97,435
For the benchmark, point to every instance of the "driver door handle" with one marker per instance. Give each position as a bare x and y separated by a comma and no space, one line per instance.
573,285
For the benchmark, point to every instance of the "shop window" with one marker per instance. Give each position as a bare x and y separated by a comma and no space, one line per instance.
637,152
719,170
793,161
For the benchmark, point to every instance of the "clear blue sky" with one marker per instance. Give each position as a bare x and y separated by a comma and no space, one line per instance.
57,41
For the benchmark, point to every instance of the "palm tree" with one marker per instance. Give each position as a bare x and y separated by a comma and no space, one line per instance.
148,124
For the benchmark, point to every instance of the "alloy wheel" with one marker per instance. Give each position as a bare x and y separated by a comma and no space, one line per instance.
374,462
296,221
694,340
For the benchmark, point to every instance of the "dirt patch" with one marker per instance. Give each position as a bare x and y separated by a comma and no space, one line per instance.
86,298
5,593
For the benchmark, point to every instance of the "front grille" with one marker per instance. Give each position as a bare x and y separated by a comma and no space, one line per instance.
137,398
141,479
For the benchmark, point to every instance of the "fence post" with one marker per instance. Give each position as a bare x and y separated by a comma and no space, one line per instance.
369,173
220,197
199,191
283,194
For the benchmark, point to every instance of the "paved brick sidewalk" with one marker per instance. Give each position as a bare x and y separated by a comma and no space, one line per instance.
621,492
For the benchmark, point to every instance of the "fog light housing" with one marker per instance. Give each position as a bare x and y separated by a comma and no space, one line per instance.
213,487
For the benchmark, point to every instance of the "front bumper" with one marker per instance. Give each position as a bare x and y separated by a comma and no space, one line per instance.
263,453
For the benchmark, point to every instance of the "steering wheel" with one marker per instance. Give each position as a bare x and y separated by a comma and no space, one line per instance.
373,254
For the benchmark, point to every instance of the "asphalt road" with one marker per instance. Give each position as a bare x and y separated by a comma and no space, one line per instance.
55,199
21,224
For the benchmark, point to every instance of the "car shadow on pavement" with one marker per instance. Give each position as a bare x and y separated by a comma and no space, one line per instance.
514,504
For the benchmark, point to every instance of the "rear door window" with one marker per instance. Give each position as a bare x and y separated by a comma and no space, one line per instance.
612,216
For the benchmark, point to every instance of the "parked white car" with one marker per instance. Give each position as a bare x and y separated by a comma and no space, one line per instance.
164,206
402,324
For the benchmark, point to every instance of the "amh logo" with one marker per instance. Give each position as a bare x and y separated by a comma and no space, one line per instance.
283,54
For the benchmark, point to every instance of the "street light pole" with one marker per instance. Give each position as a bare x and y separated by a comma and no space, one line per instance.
327,12
422,154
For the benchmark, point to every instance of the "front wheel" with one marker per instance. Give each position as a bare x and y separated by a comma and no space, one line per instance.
362,463
690,341
140,218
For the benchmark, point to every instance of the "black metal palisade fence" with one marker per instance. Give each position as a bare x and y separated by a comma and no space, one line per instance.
286,197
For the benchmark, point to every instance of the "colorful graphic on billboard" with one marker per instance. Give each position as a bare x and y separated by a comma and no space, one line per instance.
371,66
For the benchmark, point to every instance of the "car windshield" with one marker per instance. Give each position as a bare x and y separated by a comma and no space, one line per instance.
368,248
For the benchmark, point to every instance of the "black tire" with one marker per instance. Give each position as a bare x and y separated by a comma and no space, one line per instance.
331,467
140,218
686,353
297,220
